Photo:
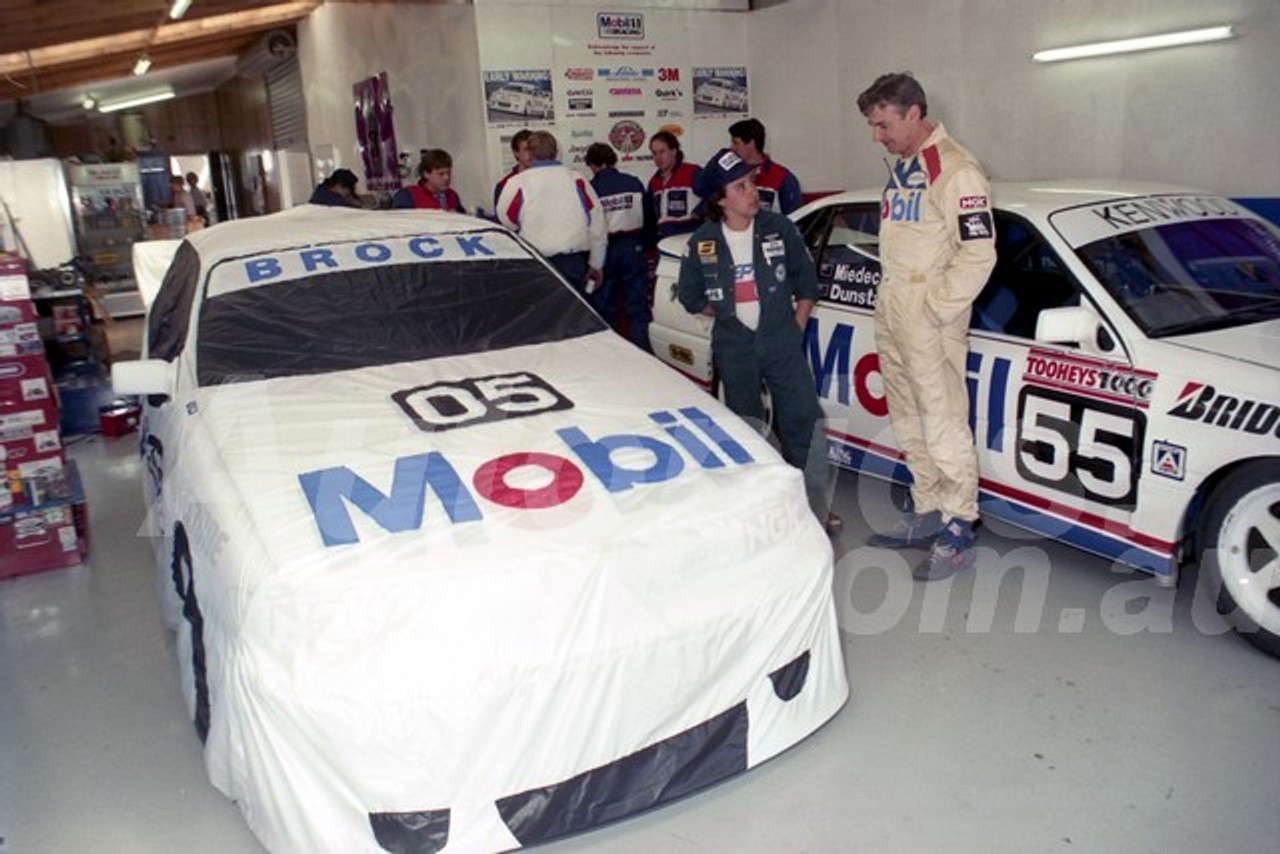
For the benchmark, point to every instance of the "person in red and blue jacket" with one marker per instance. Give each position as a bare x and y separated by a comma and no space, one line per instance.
674,203
625,271
432,190
777,185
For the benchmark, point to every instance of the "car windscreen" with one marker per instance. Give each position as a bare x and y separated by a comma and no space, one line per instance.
1191,276
384,314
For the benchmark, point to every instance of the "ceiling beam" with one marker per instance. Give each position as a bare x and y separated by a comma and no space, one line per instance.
41,59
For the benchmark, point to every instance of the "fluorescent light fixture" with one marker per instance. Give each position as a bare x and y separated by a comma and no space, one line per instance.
140,67
179,8
1207,34
110,106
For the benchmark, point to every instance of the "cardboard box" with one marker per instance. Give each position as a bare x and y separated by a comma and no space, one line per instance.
12,265
21,446
38,540
24,379
15,312
32,415
66,320
20,340
31,478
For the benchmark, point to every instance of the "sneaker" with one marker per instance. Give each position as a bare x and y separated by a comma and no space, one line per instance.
952,551
913,531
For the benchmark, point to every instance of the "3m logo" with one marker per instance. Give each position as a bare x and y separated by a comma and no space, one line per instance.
463,403
1203,403
669,75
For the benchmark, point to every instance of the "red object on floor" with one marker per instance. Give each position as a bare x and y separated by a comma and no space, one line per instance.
119,418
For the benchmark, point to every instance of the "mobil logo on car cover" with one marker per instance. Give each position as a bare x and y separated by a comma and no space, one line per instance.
614,462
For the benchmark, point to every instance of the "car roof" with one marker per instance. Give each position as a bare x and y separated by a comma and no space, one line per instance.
1038,197
316,225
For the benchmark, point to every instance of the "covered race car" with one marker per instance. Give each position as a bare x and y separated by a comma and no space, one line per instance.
453,567
1123,370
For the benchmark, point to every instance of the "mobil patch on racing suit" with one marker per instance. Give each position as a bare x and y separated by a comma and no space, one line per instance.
937,246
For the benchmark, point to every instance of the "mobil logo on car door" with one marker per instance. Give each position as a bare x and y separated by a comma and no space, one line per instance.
846,367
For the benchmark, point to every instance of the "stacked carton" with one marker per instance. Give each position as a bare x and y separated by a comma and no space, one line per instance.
37,524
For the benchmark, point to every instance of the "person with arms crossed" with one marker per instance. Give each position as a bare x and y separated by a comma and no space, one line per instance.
937,248
749,268
555,209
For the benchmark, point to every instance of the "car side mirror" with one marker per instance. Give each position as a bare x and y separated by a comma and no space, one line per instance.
1078,325
145,376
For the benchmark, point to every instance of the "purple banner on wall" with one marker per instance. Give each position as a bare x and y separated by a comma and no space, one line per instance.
376,133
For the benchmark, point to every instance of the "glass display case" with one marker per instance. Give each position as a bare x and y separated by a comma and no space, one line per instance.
106,200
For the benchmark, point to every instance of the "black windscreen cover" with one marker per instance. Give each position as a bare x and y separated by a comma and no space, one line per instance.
384,315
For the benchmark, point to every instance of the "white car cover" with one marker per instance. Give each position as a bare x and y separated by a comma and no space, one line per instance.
409,626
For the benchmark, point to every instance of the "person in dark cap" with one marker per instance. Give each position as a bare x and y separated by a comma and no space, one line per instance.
338,190
749,268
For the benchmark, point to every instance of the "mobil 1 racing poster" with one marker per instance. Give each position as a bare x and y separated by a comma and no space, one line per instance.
620,75
591,75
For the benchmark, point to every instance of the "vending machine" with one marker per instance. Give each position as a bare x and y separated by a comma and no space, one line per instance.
106,199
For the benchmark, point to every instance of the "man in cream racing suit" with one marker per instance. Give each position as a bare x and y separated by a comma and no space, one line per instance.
937,248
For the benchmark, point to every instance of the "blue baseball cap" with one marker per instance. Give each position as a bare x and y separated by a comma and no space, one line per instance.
721,171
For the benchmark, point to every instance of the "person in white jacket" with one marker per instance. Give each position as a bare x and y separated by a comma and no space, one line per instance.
557,211
937,249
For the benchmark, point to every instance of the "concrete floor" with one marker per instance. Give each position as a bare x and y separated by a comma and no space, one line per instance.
1083,711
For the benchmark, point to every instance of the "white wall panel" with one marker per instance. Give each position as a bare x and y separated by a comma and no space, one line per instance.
1205,115
431,58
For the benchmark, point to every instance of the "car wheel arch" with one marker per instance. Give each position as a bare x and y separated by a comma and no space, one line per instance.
1231,508
1193,516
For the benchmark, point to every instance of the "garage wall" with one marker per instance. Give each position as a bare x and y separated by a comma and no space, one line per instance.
430,55
1204,115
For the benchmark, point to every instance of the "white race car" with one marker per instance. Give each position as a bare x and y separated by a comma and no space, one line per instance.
524,99
720,93
453,567
1124,374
